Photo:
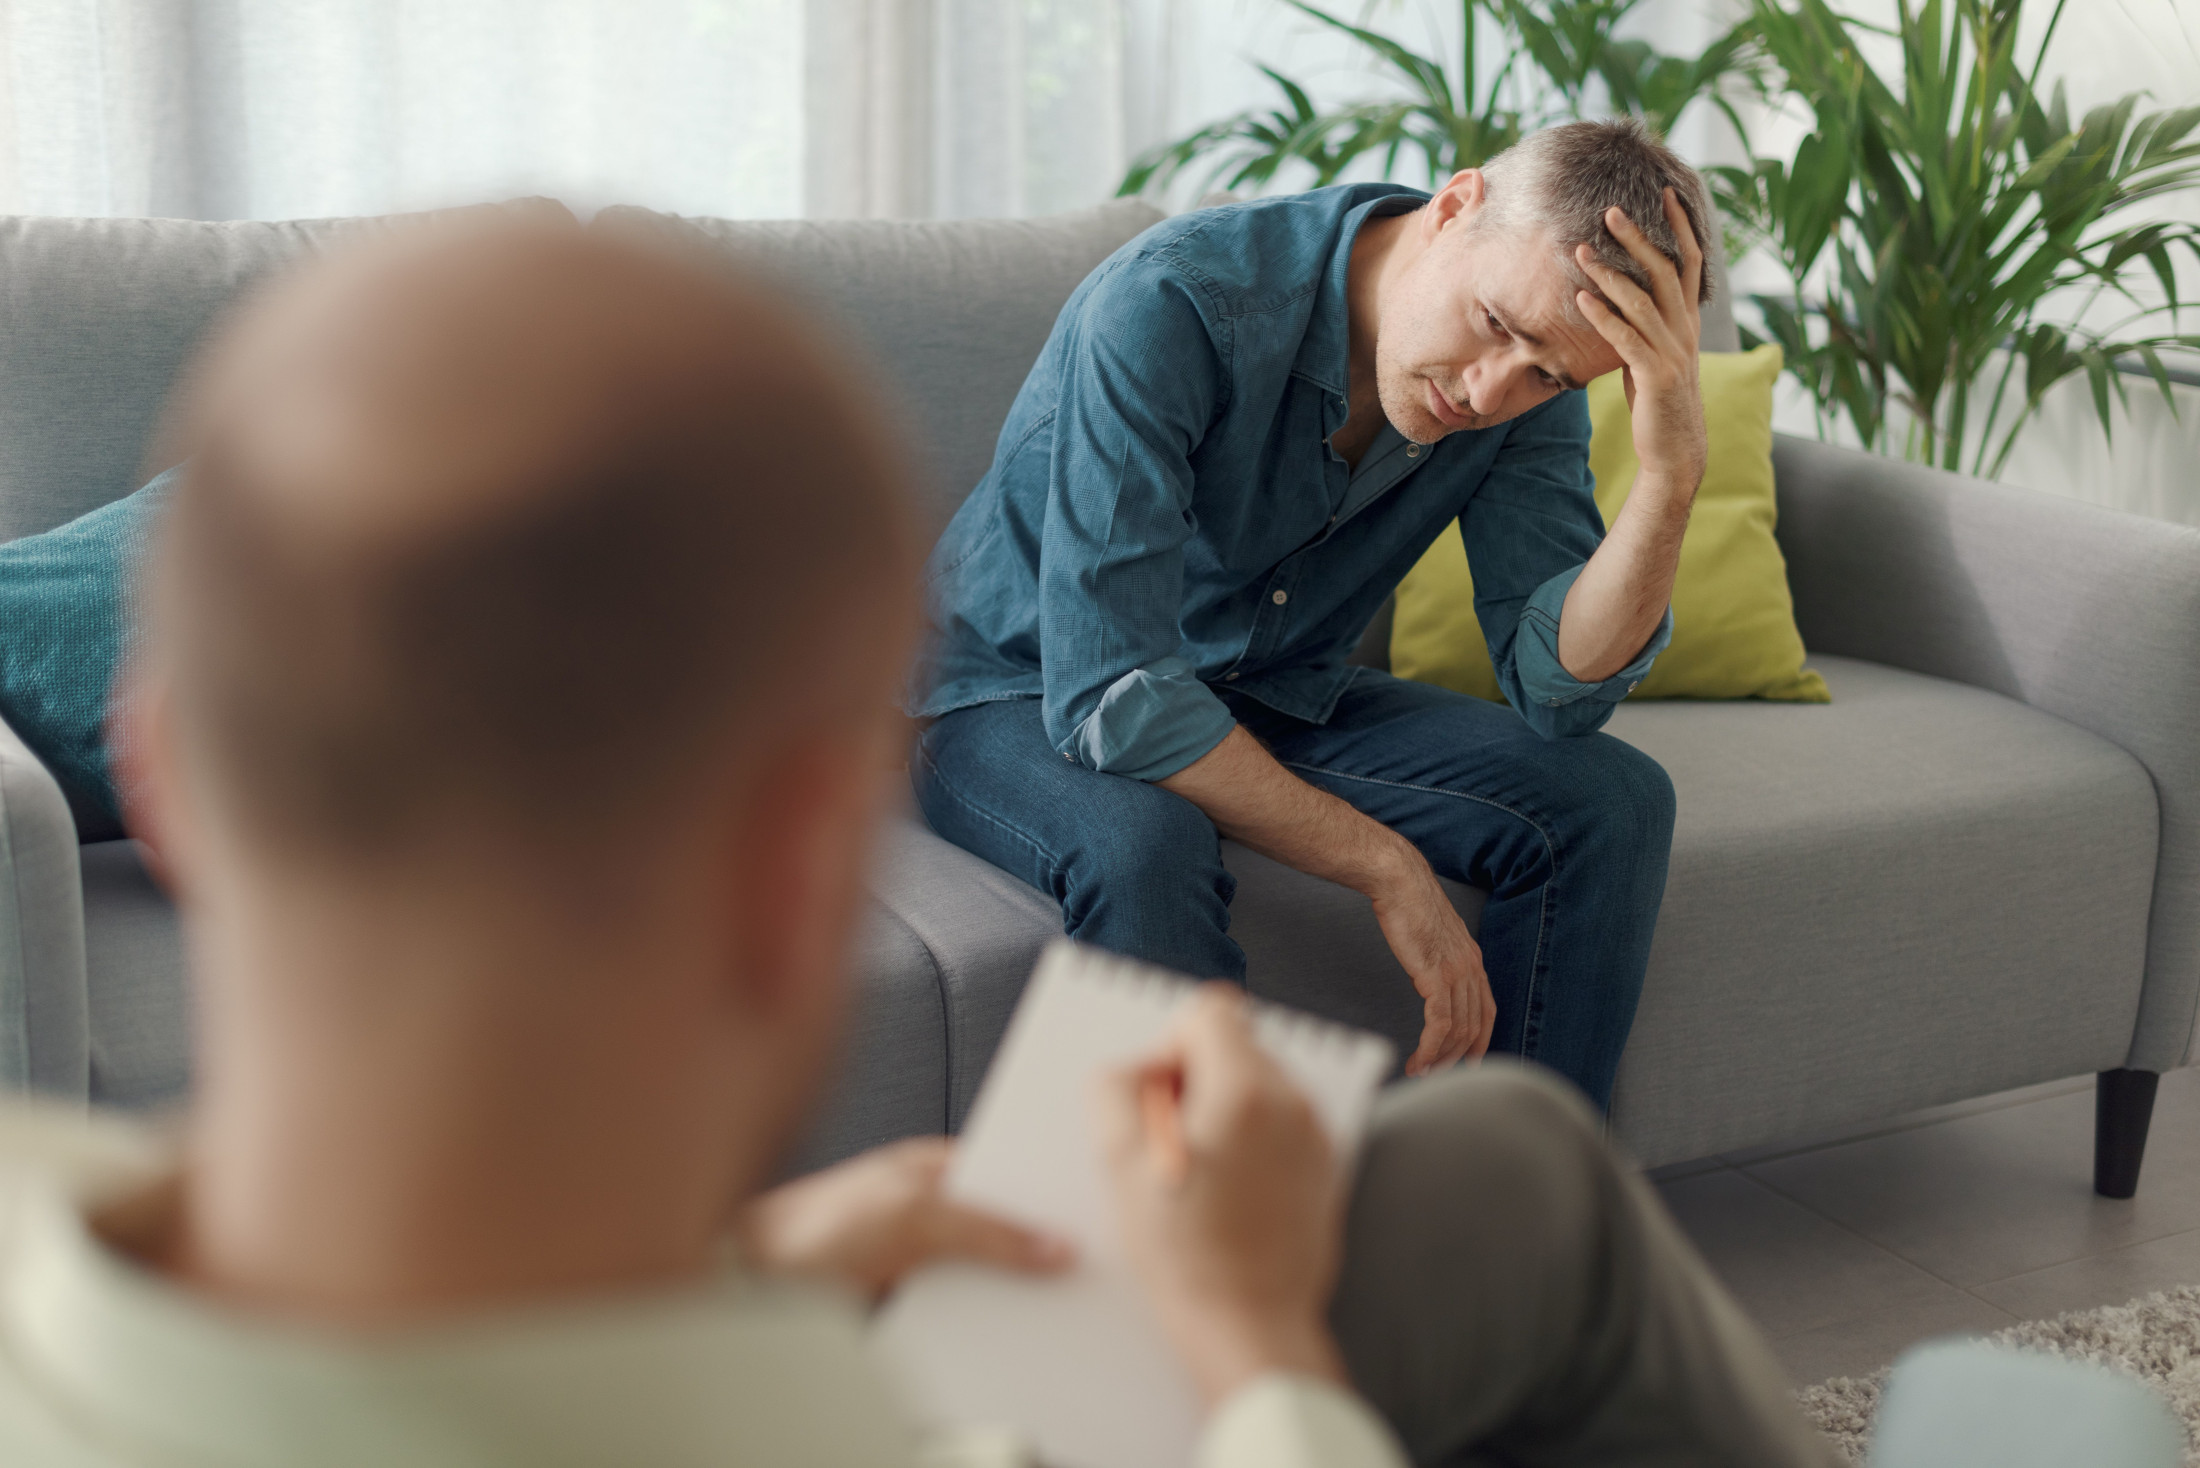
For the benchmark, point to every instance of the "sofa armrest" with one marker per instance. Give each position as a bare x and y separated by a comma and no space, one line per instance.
2085,613
45,1035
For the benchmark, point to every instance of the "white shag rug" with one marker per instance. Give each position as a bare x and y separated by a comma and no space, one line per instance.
2156,1339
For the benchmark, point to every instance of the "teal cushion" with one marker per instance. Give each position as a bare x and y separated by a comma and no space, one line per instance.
63,600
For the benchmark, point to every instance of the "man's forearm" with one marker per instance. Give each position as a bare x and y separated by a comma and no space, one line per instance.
1256,802
1616,603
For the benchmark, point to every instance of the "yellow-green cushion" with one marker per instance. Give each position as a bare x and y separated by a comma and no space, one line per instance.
1733,622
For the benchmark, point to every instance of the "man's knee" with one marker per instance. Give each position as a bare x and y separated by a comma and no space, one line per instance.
1145,844
1487,1193
1636,794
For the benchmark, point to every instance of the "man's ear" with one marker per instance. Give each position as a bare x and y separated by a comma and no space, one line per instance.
1456,202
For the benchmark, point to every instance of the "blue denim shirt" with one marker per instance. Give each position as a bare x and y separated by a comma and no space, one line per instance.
1165,516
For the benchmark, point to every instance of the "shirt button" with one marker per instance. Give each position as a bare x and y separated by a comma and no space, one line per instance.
1332,519
1070,757
1637,683
1279,597
1229,677
1413,451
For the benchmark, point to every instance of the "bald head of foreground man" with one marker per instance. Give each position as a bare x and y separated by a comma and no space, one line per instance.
515,703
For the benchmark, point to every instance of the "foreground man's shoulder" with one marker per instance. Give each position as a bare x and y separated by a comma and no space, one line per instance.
48,1150
47,1144
31,1432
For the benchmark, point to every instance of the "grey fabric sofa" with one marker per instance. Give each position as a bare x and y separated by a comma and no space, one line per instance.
1978,867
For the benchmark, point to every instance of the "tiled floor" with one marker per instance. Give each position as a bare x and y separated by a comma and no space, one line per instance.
1965,1218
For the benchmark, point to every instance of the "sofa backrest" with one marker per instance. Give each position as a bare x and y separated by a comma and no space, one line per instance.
98,318
951,313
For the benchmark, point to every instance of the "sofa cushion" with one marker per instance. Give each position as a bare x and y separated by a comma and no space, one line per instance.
1917,893
97,319
63,597
1733,622
951,313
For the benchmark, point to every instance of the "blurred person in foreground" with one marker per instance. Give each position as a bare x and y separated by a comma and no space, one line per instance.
512,718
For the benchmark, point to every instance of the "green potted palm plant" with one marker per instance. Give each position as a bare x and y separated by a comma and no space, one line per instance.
1951,235
1550,60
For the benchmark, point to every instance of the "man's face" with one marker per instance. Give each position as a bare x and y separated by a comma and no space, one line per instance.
1479,330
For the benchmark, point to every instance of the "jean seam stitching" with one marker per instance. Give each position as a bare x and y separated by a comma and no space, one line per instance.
1550,849
1053,869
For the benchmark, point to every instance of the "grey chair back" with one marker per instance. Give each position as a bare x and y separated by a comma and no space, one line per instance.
951,313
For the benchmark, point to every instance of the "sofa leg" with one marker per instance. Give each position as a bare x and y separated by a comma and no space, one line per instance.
2123,1104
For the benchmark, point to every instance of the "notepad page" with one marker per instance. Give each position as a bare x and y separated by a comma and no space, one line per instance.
1078,1362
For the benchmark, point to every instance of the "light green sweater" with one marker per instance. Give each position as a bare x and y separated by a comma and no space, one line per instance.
104,1364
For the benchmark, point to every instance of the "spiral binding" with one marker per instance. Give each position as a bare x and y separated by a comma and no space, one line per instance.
1275,1021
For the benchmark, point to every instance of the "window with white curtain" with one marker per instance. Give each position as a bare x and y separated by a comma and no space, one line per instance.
269,109
297,108
762,108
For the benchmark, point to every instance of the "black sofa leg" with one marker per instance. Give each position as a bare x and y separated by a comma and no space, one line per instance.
2123,1104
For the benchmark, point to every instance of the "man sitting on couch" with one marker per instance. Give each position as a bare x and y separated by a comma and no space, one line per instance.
513,716
1246,427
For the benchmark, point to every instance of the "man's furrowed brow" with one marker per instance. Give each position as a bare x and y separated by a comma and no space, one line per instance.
1505,319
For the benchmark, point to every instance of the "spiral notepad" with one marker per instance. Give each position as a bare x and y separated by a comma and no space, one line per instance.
1078,1364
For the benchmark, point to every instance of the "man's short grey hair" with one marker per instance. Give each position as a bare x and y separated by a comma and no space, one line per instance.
1558,182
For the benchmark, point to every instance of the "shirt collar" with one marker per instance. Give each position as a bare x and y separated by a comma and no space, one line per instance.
1324,357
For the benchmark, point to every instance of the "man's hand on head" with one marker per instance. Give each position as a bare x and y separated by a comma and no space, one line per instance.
867,1222
1658,334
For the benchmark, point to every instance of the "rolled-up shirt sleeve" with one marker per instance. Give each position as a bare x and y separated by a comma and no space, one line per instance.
1529,530
1144,383
1297,1422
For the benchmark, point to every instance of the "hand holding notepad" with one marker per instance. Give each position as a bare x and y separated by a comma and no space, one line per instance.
1081,1362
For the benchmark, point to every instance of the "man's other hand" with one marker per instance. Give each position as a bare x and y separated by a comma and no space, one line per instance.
1426,935
867,1222
1231,1200
1254,800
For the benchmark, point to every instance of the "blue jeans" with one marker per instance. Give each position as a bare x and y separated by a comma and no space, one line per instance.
1568,836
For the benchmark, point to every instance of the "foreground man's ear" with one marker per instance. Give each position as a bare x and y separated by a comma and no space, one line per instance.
141,759
799,851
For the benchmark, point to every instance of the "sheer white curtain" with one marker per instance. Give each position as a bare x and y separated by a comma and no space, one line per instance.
292,108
